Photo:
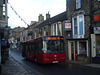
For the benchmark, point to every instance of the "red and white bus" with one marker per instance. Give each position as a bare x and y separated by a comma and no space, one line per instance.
46,49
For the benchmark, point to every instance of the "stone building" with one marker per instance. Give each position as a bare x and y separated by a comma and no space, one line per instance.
3,25
15,36
52,26
78,38
30,32
95,37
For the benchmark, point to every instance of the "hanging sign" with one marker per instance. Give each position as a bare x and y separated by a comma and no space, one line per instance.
67,25
97,18
96,30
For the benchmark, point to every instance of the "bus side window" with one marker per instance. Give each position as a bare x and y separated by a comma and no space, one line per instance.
39,47
32,47
35,47
27,48
23,49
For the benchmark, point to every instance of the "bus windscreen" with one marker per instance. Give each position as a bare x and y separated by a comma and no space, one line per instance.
53,46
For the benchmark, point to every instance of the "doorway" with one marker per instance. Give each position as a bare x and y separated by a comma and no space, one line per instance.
72,50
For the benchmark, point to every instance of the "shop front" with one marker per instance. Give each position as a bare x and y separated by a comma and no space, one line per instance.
78,49
96,45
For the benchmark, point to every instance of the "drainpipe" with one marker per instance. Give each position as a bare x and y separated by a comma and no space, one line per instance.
90,29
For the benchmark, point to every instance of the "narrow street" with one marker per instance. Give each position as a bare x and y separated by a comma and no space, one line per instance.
52,69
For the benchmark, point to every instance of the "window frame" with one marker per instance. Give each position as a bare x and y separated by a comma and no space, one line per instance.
78,25
54,28
78,4
86,48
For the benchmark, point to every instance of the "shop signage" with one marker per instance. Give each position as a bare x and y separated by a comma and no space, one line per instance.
96,30
67,25
97,18
3,42
78,36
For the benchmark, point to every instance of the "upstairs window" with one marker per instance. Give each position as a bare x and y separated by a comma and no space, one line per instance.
81,25
75,26
78,4
44,33
78,25
59,30
56,29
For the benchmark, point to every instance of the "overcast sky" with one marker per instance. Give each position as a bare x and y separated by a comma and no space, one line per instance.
29,10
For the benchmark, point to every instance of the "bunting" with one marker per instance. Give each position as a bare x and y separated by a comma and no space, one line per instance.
18,14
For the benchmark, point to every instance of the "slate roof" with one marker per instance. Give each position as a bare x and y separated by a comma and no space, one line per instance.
59,17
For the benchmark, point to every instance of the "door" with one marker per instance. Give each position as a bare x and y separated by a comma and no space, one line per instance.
71,50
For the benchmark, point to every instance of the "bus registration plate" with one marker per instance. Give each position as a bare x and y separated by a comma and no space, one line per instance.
55,61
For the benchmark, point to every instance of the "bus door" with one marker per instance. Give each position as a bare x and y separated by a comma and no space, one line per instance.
24,53
39,51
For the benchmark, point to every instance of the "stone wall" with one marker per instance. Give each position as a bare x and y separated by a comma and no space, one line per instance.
83,59
96,11
72,11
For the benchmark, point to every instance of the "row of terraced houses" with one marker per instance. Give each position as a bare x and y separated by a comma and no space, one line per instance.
79,24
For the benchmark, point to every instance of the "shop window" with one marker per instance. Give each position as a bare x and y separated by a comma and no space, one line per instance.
82,48
98,45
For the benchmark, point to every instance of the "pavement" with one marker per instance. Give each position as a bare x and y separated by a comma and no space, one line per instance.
12,67
91,65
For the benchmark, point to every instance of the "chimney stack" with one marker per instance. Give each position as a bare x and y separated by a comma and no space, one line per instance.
47,16
40,18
